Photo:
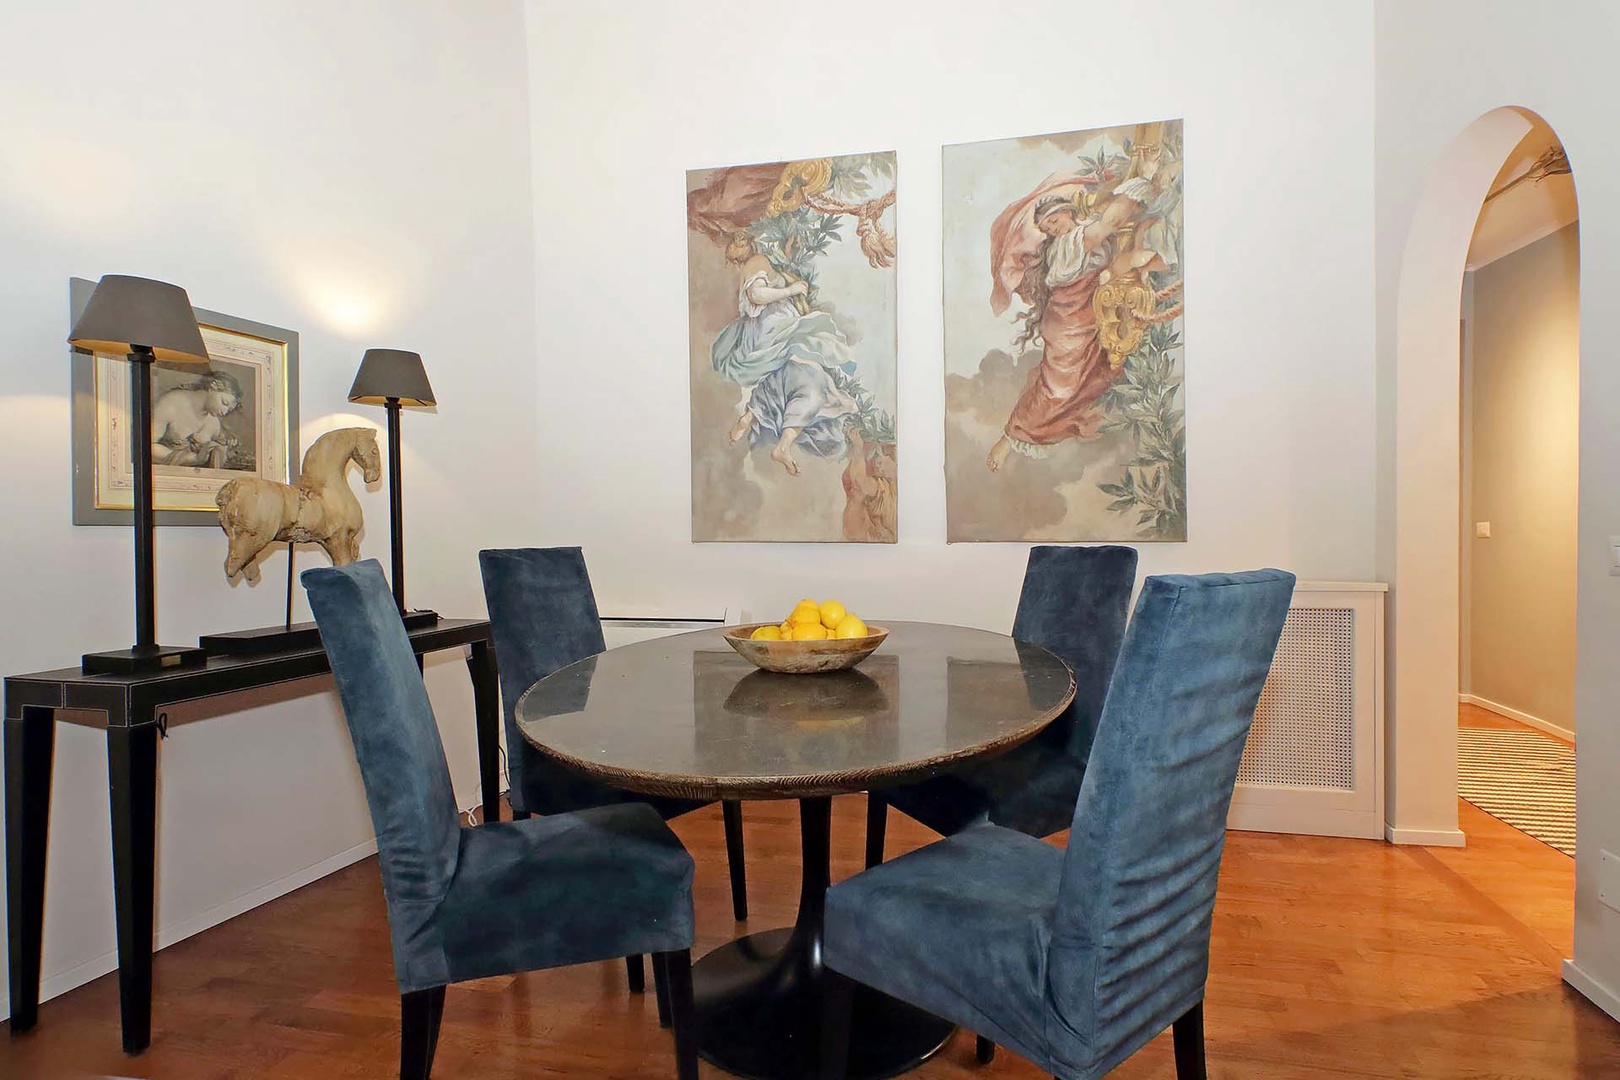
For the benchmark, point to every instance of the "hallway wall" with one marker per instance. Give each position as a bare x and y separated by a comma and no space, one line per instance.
1522,466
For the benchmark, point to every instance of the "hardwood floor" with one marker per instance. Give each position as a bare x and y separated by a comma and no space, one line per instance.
1532,882
1331,958
1473,716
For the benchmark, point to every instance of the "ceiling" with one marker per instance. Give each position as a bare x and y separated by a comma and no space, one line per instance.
1529,210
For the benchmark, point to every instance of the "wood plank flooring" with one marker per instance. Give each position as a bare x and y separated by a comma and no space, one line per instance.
1473,716
1331,958
1515,874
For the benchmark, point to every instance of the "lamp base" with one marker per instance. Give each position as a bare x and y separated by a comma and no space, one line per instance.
302,635
141,660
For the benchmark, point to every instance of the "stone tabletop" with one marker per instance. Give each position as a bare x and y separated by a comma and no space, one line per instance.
686,716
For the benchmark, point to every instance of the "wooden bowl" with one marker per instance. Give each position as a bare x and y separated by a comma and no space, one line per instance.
803,657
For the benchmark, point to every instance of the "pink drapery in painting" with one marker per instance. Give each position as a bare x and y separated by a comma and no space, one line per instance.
740,195
1059,401
1015,242
732,200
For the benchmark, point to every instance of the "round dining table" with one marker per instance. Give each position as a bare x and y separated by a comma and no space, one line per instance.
685,716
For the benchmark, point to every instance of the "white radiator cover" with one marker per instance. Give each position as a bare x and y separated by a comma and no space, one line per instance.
627,629
1314,762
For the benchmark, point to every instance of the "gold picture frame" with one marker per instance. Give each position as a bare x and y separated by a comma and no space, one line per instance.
237,417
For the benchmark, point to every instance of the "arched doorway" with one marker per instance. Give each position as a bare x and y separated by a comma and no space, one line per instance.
1424,627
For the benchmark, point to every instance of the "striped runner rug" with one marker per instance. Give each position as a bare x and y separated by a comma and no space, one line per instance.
1523,778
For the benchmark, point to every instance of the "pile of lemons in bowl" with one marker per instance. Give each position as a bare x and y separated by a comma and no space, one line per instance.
811,621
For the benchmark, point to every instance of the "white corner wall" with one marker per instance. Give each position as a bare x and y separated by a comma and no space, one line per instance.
1280,387
1442,65
358,172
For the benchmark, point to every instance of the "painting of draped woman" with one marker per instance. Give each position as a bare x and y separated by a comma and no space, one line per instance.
791,285
1065,414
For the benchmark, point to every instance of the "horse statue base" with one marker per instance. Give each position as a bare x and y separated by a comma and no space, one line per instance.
289,638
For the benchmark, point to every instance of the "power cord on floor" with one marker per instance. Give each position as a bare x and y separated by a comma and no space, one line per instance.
473,815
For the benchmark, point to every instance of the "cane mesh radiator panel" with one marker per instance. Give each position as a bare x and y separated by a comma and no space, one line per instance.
1305,727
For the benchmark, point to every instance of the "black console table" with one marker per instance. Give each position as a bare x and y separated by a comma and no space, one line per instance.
131,709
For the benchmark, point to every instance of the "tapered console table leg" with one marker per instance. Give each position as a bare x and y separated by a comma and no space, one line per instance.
132,786
487,723
29,745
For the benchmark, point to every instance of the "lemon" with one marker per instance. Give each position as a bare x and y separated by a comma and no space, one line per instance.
832,613
810,631
805,616
850,627
767,633
806,603
787,631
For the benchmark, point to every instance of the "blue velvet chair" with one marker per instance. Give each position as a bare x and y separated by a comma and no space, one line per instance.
1074,603
543,614
1075,959
504,897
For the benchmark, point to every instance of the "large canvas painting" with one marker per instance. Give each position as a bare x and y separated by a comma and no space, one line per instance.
790,271
1063,337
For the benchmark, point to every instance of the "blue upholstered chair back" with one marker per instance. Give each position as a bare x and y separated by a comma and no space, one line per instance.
396,740
1074,603
1130,937
543,614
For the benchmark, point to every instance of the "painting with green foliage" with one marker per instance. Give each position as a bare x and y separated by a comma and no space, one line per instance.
1064,408
791,291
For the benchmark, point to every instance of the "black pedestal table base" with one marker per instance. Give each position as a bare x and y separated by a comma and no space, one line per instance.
759,998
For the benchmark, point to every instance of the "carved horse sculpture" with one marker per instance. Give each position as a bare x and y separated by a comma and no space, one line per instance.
319,509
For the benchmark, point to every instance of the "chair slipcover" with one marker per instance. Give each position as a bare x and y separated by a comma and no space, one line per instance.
1074,959
543,615
1074,602
504,897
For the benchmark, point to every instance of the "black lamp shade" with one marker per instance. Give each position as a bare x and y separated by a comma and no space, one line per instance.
391,373
130,314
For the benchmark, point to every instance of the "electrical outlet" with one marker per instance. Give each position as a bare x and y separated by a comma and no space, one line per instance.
1608,879
1614,556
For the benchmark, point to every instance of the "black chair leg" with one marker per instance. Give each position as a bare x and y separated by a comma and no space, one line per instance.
984,1050
661,988
419,1014
1189,1039
732,811
877,824
677,970
837,1007
636,973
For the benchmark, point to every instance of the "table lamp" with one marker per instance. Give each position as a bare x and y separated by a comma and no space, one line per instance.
145,320
394,378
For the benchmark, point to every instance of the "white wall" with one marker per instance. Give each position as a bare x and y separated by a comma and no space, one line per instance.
357,172
1441,65
1280,390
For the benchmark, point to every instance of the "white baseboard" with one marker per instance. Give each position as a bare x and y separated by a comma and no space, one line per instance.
1594,991
1305,820
1514,714
63,981
1425,837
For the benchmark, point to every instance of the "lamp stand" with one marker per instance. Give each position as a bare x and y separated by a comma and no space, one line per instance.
146,655
396,523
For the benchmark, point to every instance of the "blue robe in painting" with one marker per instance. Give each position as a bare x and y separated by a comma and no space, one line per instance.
783,359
